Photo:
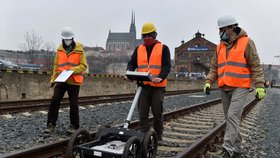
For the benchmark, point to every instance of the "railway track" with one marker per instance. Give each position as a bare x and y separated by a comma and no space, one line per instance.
184,131
213,138
247,126
42,104
188,132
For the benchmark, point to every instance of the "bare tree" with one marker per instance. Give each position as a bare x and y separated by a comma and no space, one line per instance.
49,55
32,45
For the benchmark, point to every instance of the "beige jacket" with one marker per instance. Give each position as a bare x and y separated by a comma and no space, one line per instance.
252,59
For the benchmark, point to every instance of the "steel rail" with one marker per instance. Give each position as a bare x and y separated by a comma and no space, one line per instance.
276,86
199,148
43,104
29,101
58,148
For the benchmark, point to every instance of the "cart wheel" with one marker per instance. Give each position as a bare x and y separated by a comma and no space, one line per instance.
97,135
80,136
150,145
132,148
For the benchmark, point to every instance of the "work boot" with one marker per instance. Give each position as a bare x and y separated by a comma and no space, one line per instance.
236,155
160,141
159,137
50,128
225,153
71,129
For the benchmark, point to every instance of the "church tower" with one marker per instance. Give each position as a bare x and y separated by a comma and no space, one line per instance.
123,41
132,29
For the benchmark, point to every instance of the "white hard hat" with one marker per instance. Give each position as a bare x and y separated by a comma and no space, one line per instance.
226,21
67,33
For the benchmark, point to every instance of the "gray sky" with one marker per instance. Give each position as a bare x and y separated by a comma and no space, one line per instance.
175,20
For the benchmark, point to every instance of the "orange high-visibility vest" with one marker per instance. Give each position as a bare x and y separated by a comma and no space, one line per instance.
153,66
233,70
65,62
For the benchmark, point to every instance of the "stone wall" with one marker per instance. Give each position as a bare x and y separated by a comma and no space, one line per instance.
15,86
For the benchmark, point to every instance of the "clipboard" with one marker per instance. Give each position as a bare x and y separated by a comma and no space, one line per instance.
139,76
64,75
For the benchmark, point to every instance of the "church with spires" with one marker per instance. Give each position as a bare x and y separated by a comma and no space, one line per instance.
123,41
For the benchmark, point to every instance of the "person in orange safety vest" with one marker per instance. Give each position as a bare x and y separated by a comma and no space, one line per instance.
70,56
154,57
235,65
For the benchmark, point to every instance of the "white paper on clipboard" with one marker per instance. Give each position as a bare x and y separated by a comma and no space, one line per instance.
64,76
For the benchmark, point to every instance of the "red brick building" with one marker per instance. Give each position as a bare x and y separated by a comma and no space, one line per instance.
195,55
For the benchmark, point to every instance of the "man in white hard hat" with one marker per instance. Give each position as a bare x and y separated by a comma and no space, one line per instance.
70,56
235,65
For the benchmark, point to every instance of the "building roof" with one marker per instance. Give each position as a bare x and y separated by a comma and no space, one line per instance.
120,36
198,36
93,48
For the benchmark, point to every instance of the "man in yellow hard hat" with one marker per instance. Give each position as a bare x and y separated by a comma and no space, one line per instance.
154,57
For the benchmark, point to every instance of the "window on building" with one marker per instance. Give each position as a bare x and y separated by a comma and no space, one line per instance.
127,46
109,46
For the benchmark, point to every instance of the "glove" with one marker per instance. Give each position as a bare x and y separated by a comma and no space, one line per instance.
207,87
51,84
260,93
156,80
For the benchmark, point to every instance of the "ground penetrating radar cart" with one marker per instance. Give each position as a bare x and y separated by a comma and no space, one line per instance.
116,142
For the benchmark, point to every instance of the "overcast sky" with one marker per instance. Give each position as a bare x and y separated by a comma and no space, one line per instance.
175,20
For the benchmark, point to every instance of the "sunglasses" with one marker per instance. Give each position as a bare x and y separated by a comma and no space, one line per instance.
147,35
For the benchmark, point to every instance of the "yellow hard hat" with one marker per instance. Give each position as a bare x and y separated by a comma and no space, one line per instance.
148,28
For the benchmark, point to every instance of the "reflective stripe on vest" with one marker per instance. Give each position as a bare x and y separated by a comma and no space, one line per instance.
153,65
233,70
65,62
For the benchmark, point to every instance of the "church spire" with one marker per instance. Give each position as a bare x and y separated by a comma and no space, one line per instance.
132,25
132,21
134,18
